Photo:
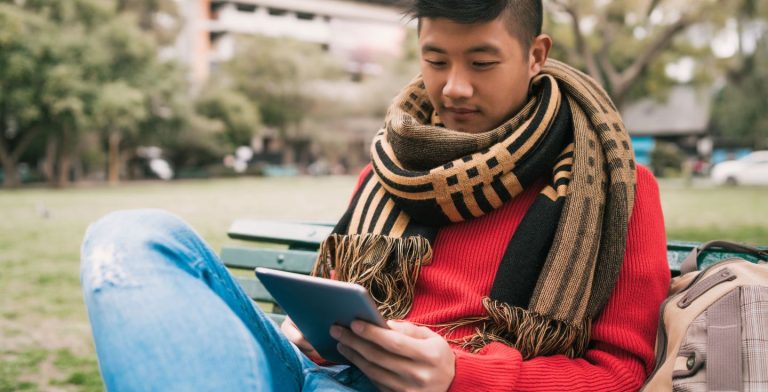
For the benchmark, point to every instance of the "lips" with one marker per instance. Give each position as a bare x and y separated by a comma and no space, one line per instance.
460,115
460,110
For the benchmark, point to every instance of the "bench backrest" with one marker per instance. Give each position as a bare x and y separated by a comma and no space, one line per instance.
292,246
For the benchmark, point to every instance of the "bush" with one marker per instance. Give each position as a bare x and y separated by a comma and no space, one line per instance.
666,160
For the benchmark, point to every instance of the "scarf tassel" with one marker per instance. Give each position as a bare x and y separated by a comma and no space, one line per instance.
530,333
387,267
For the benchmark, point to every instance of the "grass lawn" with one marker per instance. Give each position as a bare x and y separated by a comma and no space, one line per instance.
44,334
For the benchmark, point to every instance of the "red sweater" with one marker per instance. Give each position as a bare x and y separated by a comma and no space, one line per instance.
465,260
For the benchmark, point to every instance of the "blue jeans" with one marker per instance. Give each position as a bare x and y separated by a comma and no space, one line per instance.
167,316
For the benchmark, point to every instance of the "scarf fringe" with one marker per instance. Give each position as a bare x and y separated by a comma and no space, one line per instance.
387,267
530,333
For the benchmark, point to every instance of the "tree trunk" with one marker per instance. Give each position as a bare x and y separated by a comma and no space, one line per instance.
114,158
64,161
9,158
49,162
10,179
10,176
77,169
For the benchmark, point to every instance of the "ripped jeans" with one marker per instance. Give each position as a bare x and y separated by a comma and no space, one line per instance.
167,316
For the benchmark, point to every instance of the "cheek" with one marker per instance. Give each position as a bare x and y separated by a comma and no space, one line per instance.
433,85
507,94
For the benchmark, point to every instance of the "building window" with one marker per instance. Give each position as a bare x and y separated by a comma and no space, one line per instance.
246,7
277,11
305,15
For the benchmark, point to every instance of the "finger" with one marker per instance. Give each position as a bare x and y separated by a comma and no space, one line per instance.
412,330
390,340
382,378
372,352
296,337
292,333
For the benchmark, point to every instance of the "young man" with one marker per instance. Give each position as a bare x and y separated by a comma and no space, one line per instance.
502,226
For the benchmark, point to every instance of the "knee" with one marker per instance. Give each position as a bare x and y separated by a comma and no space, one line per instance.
123,236
133,227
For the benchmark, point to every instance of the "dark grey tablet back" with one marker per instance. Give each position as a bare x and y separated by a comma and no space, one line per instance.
315,304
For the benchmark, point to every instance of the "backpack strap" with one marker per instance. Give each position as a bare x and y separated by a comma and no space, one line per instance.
724,344
691,263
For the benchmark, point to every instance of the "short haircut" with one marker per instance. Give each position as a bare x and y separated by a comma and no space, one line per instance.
523,17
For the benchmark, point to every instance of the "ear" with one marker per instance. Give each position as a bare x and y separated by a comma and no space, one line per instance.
537,54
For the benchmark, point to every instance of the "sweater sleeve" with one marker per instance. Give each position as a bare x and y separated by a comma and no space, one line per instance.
621,353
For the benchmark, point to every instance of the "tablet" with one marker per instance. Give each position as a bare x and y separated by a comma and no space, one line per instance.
315,304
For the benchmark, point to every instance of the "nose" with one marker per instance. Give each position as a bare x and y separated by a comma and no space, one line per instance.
458,85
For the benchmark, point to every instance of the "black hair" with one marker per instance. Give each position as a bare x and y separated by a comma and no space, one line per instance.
523,17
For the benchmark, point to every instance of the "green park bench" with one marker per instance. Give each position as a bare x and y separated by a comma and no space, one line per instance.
292,246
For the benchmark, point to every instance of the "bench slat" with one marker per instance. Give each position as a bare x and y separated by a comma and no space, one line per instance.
254,289
677,251
303,239
295,235
299,261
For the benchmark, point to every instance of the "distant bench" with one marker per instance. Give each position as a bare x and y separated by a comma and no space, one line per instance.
292,246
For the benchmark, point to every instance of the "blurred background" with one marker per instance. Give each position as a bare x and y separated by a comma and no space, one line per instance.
225,109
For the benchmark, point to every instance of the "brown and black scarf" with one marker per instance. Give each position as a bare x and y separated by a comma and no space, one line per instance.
562,262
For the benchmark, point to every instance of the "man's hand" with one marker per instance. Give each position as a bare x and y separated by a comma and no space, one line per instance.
404,358
296,337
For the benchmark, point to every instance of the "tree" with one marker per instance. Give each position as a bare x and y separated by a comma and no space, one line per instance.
23,71
278,76
72,69
119,109
159,17
239,118
621,43
740,109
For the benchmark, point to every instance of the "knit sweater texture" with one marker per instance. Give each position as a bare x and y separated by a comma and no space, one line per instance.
621,354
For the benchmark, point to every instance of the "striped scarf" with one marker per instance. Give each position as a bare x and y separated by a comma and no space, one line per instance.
562,262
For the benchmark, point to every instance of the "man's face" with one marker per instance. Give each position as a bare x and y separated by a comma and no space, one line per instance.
476,75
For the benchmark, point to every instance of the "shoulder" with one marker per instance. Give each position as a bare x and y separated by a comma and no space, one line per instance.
647,219
647,187
645,176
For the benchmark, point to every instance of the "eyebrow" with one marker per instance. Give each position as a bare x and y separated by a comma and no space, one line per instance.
475,49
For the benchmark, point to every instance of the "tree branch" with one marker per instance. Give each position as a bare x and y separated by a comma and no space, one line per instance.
603,56
582,47
631,73
26,140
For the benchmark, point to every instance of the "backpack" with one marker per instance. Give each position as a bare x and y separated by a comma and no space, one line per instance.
713,326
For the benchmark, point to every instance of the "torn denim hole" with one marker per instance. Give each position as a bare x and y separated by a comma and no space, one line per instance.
106,268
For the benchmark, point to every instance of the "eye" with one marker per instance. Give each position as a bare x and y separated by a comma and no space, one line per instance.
484,64
435,63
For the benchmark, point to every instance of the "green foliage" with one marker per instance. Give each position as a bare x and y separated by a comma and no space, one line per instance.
626,44
740,110
70,69
119,106
238,118
666,159
146,12
277,75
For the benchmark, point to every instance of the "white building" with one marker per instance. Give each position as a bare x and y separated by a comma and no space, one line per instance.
356,32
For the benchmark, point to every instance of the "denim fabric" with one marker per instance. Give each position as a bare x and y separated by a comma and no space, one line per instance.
166,315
